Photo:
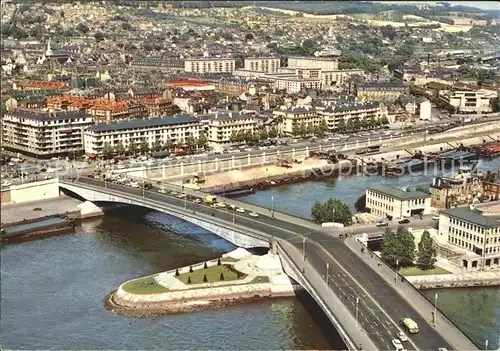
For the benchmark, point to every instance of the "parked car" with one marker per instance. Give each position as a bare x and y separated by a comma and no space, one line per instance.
404,221
253,214
134,185
384,222
397,344
436,218
402,336
240,209
162,190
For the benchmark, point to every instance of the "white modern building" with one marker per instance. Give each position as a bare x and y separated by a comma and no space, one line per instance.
393,203
336,111
425,110
175,128
323,63
262,64
297,115
474,233
294,84
44,133
468,100
210,65
223,125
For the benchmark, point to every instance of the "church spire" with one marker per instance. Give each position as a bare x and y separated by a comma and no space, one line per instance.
48,52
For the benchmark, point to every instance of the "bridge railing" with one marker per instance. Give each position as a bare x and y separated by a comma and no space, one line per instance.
429,300
172,208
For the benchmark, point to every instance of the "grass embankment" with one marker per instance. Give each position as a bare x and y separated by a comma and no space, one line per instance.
213,275
417,271
142,286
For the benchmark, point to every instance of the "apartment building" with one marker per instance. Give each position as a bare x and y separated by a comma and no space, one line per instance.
294,84
468,100
474,235
262,64
296,115
336,111
378,91
223,125
210,65
393,203
158,107
44,134
174,128
322,63
108,111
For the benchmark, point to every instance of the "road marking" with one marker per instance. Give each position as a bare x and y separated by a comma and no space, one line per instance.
366,292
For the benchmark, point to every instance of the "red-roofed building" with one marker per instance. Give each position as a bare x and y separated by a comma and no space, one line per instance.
191,85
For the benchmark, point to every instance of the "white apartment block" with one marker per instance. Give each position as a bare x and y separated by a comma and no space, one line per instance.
174,128
296,84
325,63
336,111
224,125
44,133
393,203
468,100
474,235
296,115
210,65
425,110
262,64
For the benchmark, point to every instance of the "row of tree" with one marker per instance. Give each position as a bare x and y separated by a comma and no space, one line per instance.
355,124
190,145
250,138
398,249
309,129
334,210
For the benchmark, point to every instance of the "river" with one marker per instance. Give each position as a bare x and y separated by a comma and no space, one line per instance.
53,293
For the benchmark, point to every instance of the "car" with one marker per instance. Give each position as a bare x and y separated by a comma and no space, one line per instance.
402,336
221,205
382,223
436,218
197,201
253,214
240,209
134,185
162,190
397,344
404,221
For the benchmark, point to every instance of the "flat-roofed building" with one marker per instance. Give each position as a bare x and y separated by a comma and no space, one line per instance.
224,125
294,84
262,64
175,128
44,134
479,235
377,91
210,65
468,100
324,63
394,203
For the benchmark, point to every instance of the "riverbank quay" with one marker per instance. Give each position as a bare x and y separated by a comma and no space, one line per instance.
27,220
460,280
235,277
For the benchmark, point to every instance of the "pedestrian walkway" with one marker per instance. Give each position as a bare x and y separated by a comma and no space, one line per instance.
425,308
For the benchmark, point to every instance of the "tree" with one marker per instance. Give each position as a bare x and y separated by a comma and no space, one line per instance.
99,36
234,137
169,145
389,247
263,135
407,247
248,36
423,188
310,129
295,129
426,257
323,128
190,143
82,28
334,210
144,147
107,150
132,148
156,146
384,120
303,130
341,126
202,141
126,26
119,148
360,204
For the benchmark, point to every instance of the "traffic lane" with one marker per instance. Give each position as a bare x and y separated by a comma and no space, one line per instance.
386,296
254,223
370,317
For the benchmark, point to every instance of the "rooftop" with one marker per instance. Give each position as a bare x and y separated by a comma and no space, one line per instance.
48,116
143,123
383,85
398,193
472,216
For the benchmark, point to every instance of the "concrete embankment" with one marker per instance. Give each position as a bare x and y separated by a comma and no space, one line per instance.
248,277
462,280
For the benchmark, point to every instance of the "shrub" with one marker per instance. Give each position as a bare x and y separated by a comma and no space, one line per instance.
219,262
205,266
177,272
190,269
221,276
205,280
189,280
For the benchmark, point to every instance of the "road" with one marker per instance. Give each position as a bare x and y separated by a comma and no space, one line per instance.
380,306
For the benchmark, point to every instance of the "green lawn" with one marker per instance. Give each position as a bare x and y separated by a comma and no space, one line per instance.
146,285
229,259
260,280
417,271
213,275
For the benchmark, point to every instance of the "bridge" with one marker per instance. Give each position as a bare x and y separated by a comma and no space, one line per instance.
359,297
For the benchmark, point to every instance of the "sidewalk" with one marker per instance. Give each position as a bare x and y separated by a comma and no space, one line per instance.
444,326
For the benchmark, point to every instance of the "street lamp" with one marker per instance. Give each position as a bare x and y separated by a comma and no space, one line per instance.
435,309
357,310
396,277
272,206
303,249
327,268
185,200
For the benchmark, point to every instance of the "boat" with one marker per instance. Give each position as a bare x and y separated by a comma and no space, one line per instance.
405,166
